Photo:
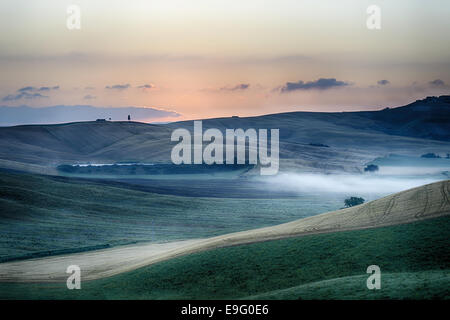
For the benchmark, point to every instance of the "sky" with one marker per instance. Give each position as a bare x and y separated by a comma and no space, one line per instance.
209,58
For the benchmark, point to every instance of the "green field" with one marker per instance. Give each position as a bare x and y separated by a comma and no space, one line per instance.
43,215
402,285
414,260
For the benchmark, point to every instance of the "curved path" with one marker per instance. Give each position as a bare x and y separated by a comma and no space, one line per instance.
429,201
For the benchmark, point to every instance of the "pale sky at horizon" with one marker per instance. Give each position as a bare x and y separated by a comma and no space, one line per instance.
213,58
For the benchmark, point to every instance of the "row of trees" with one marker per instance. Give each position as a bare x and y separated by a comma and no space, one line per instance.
375,168
434,156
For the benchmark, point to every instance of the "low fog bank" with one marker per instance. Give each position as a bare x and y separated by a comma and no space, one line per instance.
367,184
411,171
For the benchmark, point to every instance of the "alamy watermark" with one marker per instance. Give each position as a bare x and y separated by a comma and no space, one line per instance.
73,21
373,21
374,280
74,280
213,153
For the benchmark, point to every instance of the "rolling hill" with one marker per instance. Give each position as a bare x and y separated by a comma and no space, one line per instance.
42,215
414,261
153,239
426,202
354,138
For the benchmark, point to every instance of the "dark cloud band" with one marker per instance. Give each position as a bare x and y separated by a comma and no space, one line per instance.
320,84
118,87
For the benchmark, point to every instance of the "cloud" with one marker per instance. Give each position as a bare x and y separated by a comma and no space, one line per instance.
383,82
27,93
48,88
146,86
118,86
320,84
26,89
23,95
437,83
89,97
239,87
43,88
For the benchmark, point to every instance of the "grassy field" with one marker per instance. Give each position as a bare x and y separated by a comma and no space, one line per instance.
41,215
402,285
414,260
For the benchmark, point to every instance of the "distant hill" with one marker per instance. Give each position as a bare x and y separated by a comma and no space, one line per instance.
428,118
59,114
354,138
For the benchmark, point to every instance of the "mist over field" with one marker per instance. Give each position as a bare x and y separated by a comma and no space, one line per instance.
411,171
345,183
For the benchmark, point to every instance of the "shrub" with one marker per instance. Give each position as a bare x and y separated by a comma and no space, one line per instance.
371,168
430,155
353,201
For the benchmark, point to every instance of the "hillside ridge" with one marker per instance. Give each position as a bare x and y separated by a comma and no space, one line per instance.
425,202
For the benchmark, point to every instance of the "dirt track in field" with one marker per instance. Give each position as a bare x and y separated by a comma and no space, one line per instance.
420,203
